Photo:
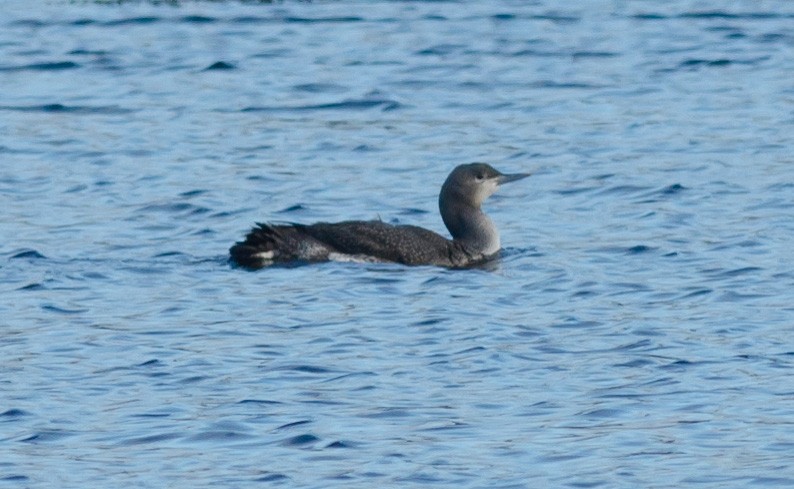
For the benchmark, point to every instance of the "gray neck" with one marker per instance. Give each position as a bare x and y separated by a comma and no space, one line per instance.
469,225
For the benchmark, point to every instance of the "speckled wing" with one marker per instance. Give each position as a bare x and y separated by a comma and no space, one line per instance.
410,245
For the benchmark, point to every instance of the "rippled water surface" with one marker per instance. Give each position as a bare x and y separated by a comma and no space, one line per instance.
637,331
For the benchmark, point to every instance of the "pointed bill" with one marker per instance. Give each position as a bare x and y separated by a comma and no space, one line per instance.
511,178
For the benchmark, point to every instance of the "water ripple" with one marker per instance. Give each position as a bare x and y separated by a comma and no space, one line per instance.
57,108
362,104
635,329
44,66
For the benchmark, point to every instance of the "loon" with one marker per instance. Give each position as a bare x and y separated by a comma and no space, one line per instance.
474,236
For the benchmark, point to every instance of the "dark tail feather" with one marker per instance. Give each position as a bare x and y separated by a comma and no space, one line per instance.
268,243
245,256
262,239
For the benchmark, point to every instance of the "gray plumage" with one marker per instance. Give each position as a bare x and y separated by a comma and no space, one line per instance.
474,236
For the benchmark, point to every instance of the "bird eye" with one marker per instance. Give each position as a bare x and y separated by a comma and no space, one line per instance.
480,176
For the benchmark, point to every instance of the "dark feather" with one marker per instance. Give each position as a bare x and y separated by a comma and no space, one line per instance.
410,245
475,237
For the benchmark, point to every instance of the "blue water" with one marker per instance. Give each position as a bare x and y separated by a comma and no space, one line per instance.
638,331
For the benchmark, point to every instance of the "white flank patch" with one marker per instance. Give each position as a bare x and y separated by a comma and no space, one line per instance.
266,255
352,258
